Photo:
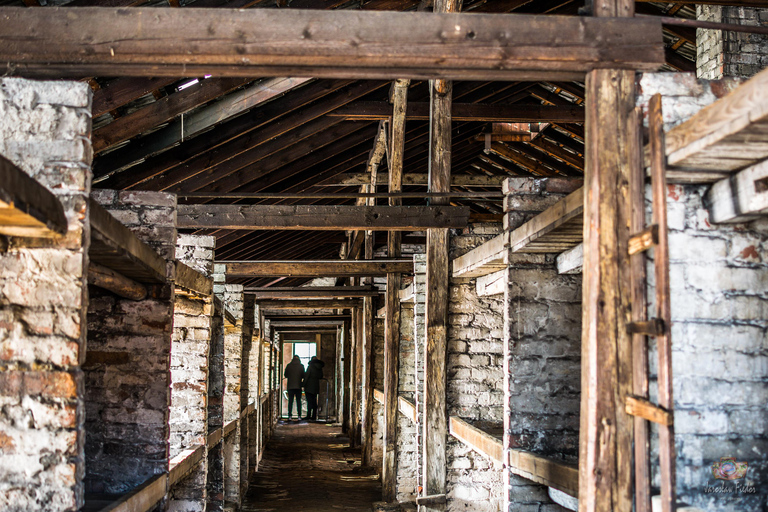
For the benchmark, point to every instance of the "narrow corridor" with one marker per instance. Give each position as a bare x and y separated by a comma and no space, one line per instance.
309,466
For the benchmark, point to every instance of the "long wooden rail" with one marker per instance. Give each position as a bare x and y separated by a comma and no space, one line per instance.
27,208
404,405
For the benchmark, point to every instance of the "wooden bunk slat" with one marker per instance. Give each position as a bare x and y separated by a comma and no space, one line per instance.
726,136
193,281
556,229
27,208
117,247
477,439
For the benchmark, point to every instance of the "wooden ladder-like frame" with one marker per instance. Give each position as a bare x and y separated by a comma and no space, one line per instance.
658,327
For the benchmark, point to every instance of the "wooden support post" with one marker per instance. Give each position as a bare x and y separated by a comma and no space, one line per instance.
436,307
367,381
392,319
346,368
612,149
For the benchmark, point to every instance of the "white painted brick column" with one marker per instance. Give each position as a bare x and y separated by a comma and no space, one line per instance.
45,130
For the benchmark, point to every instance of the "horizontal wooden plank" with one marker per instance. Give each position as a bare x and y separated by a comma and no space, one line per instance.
193,281
143,498
58,42
644,240
728,135
183,464
476,439
312,292
117,247
419,111
378,395
406,408
646,410
108,279
740,198
214,438
485,259
229,428
27,208
270,304
320,217
316,268
571,261
457,180
556,229
543,470
319,322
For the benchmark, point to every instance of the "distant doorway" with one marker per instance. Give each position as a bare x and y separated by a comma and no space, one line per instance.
305,350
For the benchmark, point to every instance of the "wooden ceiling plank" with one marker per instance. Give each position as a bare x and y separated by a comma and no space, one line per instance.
226,46
122,91
419,111
316,268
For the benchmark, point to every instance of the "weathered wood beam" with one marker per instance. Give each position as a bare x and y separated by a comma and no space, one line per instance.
108,279
612,151
419,111
728,135
318,268
545,471
27,208
392,319
125,42
734,3
312,292
121,91
191,280
117,247
460,180
485,259
571,261
367,382
320,217
741,198
272,304
476,439
162,110
435,429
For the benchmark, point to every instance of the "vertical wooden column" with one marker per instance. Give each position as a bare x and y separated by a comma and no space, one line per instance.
367,378
605,451
344,337
357,388
436,307
392,320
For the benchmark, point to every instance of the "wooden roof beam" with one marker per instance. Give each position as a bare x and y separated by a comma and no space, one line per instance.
320,217
419,111
316,268
124,42
312,292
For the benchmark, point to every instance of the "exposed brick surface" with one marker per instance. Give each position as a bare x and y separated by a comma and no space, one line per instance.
44,129
542,347
722,53
128,398
718,275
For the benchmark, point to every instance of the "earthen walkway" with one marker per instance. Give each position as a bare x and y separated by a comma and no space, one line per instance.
309,466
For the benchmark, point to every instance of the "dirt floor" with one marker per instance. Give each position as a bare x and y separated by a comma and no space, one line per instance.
309,466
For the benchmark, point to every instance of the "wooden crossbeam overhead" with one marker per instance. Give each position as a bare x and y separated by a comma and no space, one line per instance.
321,217
275,319
124,90
27,208
306,323
419,111
271,304
461,180
735,3
191,280
223,42
317,268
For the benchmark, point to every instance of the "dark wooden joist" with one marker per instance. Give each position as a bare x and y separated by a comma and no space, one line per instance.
190,280
27,208
463,180
419,111
121,91
125,42
318,322
319,217
115,246
734,3
276,318
224,132
272,304
166,108
317,268
108,279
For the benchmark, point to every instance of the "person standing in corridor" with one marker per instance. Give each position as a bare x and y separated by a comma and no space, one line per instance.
312,386
294,372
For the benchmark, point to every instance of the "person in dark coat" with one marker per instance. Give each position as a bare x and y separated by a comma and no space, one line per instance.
294,372
312,386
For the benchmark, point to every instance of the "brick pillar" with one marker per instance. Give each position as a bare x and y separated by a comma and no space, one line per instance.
45,130
215,479
721,53
127,369
474,390
419,338
189,373
249,320
542,347
232,297
406,449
